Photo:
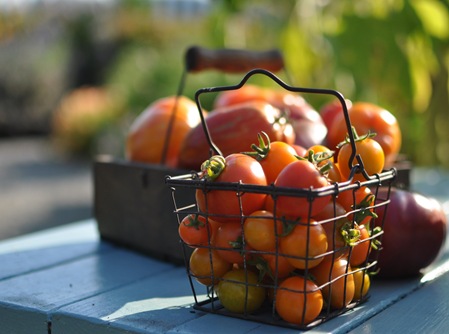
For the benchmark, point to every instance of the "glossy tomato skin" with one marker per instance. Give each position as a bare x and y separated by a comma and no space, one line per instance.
206,266
224,205
372,155
261,230
331,110
239,292
343,288
279,156
195,230
149,131
310,177
233,130
229,245
415,230
333,218
304,245
369,117
296,305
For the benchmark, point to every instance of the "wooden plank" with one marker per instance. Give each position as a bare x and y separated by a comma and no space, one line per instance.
37,294
50,247
153,305
424,311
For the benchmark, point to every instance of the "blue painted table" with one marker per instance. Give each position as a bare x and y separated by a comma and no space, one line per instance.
66,280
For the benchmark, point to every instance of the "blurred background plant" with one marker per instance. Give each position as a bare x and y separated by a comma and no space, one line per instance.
56,55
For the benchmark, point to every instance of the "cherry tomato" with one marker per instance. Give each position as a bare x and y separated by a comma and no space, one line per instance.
362,283
206,266
321,149
148,134
273,156
341,292
360,199
304,244
372,155
300,174
195,230
369,117
229,244
261,230
239,291
224,205
361,250
297,305
278,265
333,219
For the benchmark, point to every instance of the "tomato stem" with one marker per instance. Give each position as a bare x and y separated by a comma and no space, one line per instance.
260,151
357,137
212,168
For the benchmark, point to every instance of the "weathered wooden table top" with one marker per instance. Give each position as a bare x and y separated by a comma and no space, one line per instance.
66,280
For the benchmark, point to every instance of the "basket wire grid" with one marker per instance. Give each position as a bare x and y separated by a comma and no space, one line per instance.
206,298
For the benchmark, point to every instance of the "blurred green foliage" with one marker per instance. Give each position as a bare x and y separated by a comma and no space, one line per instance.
391,52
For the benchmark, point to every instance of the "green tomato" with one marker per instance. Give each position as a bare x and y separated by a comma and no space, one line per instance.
238,291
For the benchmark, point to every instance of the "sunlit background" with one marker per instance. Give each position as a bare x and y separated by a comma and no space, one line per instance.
130,52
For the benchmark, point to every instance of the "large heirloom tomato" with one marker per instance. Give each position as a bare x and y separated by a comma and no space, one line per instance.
415,229
163,125
233,130
301,174
227,205
297,305
368,117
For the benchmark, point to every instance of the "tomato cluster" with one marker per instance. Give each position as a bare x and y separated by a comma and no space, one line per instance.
304,252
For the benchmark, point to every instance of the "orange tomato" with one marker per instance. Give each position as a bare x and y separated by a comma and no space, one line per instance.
297,305
150,134
341,292
369,117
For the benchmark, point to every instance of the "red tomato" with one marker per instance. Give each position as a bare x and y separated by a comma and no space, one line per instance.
297,305
367,117
341,292
206,266
195,230
331,110
304,245
229,244
372,155
148,134
233,129
310,177
224,205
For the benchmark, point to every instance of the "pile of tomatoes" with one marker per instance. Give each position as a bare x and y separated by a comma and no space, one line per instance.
304,256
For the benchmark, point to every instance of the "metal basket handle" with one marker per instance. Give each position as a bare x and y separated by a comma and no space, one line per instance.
322,91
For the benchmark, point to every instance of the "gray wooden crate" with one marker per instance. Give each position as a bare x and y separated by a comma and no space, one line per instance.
133,207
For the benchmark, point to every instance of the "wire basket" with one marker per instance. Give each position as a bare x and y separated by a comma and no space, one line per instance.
313,295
